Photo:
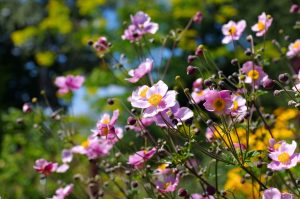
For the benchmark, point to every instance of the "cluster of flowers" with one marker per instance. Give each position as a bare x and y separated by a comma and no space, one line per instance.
158,105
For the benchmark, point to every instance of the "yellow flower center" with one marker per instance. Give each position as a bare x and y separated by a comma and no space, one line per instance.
144,92
296,45
85,144
155,99
253,74
200,93
106,121
232,30
276,146
235,105
260,26
166,185
162,166
284,158
219,104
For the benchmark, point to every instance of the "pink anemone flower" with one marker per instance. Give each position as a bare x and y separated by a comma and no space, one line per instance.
219,102
61,193
138,159
284,157
93,148
106,126
67,157
273,193
181,114
233,31
140,25
155,99
263,24
167,180
273,145
68,83
144,68
254,74
101,46
199,95
239,107
294,49
44,167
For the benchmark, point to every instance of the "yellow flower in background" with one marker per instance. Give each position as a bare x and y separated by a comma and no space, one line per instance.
45,58
233,183
228,11
286,114
58,17
87,6
20,37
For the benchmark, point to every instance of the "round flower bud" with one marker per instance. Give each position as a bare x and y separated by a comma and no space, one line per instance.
182,192
283,77
191,58
198,17
234,62
268,83
175,121
134,184
90,43
294,8
199,50
222,84
249,38
223,193
277,92
208,82
189,121
131,120
209,122
191,70
242,77
110,101
210,190
248,52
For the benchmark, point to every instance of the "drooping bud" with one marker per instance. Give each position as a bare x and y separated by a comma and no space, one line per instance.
27,108
267,83
294,8
198,17
199,50
191,58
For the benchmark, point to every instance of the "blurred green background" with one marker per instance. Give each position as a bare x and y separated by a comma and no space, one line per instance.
42,39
